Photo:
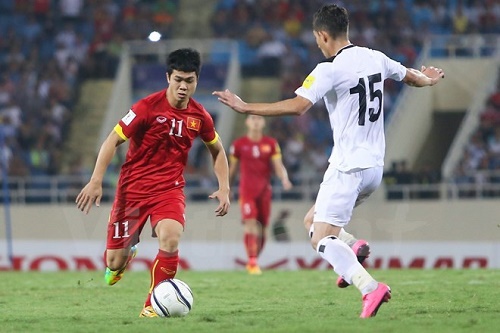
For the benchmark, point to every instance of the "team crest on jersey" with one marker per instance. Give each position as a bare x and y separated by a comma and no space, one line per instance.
308,81
265,148
193,123
161,119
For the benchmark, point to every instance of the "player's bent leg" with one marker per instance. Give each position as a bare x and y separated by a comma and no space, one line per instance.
251,239
361,249
341,257
165,263
117,263
346,237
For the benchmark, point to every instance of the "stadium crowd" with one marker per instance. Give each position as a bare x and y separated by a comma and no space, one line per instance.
481,156
277,41
48,47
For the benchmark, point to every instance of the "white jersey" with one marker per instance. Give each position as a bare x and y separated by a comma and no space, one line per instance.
352,86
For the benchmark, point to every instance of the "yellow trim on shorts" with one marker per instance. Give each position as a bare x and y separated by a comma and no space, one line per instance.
214,140
118,129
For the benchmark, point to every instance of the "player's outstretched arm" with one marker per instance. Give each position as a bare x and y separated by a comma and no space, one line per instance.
293,106
427,76
221,170
92,192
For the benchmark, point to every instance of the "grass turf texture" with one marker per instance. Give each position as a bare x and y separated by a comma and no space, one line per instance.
277,301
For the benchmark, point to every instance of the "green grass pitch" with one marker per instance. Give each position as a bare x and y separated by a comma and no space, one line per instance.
277,301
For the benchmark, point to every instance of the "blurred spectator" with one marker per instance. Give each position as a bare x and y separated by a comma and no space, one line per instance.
270,52
71,10
475,151
460,20
12,112
5,153
461,177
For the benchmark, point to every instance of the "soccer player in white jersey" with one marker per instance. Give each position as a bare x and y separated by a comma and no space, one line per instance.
350,81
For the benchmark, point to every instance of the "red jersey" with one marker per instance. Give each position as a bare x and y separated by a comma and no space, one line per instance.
160,139
255,163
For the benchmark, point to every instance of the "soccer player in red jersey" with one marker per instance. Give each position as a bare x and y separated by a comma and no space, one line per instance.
161,128
256,154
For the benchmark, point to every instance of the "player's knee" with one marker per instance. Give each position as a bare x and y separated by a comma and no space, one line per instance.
169,243
251,226
320,233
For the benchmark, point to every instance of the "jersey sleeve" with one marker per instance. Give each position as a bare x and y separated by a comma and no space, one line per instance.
276,153
393,69
207,132
316,84
234,152
132,121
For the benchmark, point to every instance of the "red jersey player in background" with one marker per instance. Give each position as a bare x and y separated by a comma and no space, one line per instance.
161,128
256,154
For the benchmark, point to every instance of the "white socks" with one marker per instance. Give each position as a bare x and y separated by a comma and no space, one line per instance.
345,263
364,281
346,237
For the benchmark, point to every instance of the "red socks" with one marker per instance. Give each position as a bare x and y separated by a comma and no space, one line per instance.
262,242
164,267
252,247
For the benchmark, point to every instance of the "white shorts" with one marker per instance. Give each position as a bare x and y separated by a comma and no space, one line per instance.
340,192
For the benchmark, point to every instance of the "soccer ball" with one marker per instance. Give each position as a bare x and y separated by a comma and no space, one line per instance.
172,298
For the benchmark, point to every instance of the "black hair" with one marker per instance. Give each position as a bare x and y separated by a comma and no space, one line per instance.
332,19
185,60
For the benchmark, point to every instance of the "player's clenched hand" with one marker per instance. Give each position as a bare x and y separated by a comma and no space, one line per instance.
434,73
223,197
92,192
230,99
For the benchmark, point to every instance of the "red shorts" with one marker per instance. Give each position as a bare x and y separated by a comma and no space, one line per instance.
128,217
256,207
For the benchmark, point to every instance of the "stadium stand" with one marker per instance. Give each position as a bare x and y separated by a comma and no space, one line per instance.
50,48
273,29
480,162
